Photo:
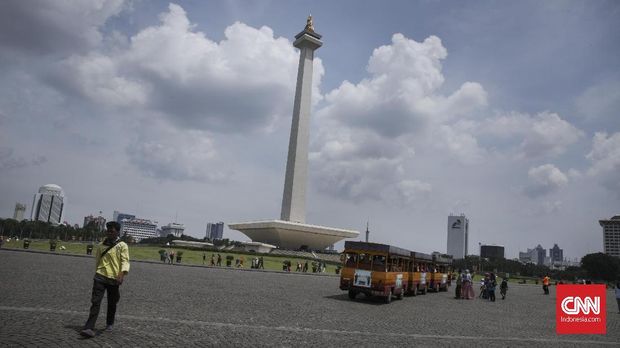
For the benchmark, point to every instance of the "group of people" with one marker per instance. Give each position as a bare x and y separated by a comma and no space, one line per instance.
213,259
168,256
464,286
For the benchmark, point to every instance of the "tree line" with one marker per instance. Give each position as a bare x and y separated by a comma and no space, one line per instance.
12,228
596,266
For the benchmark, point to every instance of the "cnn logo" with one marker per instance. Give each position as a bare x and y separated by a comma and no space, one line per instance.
573,305
580,309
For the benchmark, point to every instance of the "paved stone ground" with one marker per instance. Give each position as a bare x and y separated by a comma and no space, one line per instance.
44,301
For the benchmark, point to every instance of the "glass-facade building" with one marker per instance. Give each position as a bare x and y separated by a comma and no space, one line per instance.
48,204
215,231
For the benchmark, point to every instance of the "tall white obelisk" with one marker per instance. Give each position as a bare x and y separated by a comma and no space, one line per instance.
291,231
294,198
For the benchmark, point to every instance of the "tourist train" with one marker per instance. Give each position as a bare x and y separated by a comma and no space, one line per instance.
384,270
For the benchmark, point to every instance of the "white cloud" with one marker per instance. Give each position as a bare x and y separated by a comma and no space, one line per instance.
601,101
369,130
245,82
40,26
544,134
605,158
163,152
544,179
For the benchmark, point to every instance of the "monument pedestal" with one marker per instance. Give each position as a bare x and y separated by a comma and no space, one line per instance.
292,235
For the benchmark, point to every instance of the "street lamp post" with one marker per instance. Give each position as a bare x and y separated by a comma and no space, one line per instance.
480,257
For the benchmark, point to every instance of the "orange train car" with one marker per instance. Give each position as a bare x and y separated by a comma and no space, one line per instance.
375,269
441,277
420,273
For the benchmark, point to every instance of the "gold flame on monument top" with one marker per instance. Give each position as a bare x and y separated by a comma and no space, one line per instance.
309,26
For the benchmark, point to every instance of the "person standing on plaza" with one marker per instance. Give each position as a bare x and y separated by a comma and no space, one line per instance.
212,259
111,267
468,289
490,287
546,281
618,295
459,284
204,258
503,288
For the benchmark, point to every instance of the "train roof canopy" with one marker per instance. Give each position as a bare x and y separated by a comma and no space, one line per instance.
376,247
421,256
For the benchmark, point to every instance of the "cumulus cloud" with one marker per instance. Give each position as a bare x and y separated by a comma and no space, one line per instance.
600,102
163,152
544,179
243,83
369,130
605,158
45,27
544,134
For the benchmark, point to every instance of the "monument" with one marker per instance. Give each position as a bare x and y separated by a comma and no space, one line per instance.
291,231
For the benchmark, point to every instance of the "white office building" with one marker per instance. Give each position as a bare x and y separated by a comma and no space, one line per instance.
20,211
48,204
139,229
172,228
458,236
611,235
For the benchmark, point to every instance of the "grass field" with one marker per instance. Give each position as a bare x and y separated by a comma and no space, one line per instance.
151,253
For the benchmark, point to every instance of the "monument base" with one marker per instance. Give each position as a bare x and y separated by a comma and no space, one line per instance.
292,235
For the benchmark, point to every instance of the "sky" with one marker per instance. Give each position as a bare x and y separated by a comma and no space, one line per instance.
505,111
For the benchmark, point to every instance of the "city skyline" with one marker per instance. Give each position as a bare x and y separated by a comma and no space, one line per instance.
506,112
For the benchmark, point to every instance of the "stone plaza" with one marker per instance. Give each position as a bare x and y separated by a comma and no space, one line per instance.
44,301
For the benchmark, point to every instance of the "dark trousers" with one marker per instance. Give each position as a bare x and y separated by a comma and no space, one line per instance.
99,288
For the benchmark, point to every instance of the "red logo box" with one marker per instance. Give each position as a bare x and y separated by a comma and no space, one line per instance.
581,309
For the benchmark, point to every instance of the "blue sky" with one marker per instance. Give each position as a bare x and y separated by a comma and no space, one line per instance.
505,111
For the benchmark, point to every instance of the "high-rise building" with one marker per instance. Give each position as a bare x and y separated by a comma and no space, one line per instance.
99,221
556,255
492,252
536,255
118,216
48,204
20,210
172,228
138,229
611,236
458,236
215,230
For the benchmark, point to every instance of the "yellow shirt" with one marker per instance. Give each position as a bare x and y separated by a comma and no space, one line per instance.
115,261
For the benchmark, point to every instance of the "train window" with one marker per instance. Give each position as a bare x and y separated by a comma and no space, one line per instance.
378,263
351,259
363,261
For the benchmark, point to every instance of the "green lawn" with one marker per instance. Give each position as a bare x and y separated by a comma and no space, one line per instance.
151,253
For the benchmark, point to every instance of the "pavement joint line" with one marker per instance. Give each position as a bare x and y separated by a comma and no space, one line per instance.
309,330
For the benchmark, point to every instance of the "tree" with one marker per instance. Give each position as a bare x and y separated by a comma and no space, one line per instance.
601,266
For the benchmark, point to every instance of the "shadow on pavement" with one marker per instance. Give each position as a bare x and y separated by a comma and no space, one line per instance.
373,300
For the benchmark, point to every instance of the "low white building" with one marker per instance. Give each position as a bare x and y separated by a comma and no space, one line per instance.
172,228
139,229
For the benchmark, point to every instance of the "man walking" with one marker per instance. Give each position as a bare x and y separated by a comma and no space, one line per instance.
111,266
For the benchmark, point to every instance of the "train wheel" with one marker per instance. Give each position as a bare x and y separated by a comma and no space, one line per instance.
352,294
